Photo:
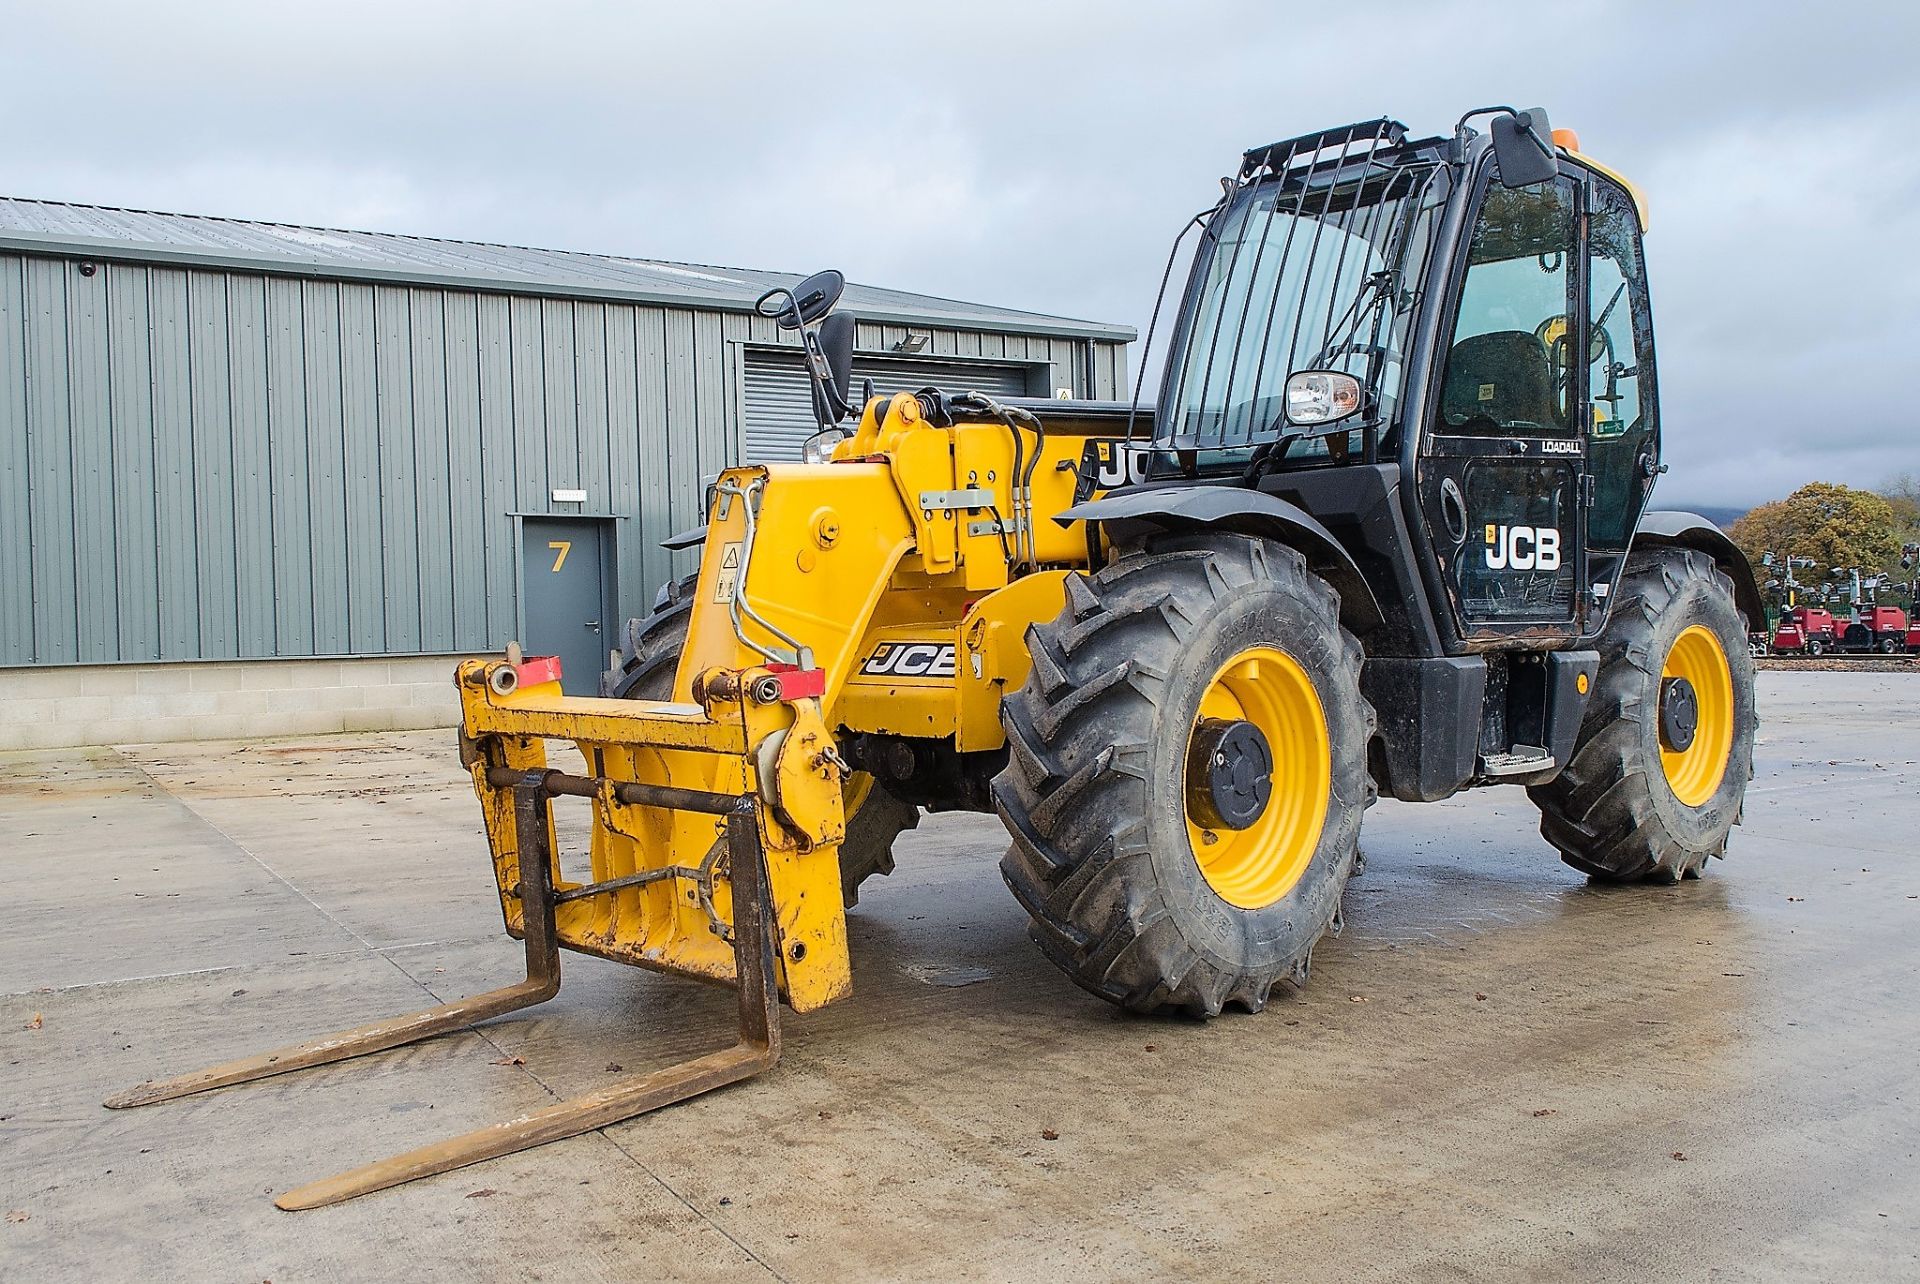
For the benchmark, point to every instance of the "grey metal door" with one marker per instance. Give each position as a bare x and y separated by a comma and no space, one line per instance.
779,400
564,597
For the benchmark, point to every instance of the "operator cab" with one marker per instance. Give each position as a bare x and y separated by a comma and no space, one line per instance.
1464,318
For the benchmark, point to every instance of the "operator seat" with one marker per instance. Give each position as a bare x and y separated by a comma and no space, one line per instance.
1502,378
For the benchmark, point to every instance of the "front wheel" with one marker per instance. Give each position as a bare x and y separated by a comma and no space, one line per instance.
1816,647
1659,773
1187,774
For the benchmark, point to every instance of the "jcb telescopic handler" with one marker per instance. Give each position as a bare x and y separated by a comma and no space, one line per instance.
1385,530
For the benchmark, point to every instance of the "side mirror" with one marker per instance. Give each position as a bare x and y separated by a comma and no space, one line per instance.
1523,149
827,346
831,395
805,303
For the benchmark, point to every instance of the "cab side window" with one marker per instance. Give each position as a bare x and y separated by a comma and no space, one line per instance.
1507,369
1619,366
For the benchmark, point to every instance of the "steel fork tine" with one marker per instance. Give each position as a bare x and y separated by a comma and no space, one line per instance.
754,947
758,1049
543,981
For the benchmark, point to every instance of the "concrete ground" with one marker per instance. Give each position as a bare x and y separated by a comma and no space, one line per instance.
1497,1072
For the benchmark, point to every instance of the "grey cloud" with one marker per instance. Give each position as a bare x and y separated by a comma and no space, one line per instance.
1040,155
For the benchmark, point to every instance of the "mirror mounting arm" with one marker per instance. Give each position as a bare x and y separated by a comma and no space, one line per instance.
1522,144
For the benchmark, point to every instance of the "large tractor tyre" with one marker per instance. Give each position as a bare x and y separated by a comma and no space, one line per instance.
1659,772
651,646
645,672
1187,773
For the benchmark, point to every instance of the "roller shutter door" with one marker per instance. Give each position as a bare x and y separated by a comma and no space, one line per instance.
779,400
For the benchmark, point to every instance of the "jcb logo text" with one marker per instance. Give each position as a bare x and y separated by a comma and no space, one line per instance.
1523,548
910,660
1118,466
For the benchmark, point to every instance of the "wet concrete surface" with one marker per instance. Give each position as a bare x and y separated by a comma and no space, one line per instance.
1497,1072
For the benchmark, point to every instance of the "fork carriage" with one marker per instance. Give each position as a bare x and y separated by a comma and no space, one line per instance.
747,914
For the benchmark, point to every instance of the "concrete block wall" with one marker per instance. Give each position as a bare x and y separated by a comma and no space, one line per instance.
66,706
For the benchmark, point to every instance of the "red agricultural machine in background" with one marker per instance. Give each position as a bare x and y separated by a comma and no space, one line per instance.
1805,630
1876,628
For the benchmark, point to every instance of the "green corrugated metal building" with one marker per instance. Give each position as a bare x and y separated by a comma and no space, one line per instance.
238,441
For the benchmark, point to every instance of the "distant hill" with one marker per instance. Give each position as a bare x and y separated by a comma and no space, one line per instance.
1719,514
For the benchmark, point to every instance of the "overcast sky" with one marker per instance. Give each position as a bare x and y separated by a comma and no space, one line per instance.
1042,154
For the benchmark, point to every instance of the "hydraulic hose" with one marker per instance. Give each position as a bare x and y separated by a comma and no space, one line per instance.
1024,466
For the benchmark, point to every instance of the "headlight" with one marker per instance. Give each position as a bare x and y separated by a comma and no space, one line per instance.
818,449
1321,396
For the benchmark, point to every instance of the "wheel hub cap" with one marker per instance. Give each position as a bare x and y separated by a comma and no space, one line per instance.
1679,714
1229,774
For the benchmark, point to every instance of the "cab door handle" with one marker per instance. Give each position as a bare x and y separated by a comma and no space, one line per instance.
1453,509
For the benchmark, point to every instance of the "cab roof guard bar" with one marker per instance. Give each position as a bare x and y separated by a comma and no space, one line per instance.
1294,151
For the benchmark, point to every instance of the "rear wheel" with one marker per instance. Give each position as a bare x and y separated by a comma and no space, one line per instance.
1659,773
1816,647
1186,774
645,672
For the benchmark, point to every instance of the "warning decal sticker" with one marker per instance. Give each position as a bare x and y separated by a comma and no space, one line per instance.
729,577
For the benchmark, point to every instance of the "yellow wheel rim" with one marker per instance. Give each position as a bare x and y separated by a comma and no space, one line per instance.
1252,868
854,793
1695,772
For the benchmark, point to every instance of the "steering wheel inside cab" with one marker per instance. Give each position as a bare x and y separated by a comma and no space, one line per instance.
1556,336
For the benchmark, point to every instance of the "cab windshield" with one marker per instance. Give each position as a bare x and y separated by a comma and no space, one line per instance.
1298,272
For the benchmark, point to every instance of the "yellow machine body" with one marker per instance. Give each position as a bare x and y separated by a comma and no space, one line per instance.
905,573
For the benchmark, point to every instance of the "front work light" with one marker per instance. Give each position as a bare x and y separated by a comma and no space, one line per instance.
1321,396
818,449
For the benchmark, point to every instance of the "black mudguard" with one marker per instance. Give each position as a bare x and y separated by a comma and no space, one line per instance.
1245,512
1690,530
692,537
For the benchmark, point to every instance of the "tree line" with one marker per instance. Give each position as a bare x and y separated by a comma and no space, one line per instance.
1837,530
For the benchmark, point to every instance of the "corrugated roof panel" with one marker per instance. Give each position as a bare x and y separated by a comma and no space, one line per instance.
56,227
